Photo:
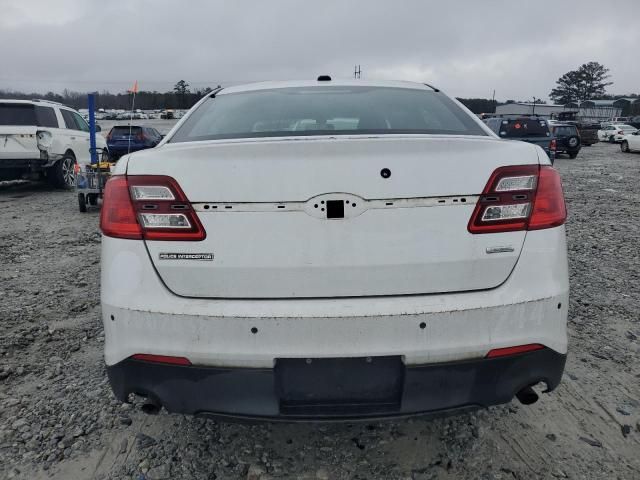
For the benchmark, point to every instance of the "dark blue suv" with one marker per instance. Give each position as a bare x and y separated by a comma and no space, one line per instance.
526,129
123,139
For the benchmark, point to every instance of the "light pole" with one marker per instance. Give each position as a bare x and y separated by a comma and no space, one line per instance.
533,112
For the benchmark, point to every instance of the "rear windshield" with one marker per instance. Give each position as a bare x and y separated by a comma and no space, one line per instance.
523,127
124,130
24,114
326,111
17,114
565,131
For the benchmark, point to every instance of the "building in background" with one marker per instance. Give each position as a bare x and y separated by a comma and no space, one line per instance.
539,109
602,110
587,111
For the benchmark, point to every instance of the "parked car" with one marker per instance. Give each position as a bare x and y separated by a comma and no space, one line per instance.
43,139
634,122
123,139
631,142
615,133
395,257
588,130
532,129
618,120
567,138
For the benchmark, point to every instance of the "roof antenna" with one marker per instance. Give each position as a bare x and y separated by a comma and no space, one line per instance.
324,78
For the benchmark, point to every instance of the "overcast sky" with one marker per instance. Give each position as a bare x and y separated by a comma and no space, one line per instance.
467,48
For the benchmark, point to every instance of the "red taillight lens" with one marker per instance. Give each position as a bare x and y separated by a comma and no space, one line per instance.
553,145
503,352
549,209
118,217
146,357
620,132
152,207
524,197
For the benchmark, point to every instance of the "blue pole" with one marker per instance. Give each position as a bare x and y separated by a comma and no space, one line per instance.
92,128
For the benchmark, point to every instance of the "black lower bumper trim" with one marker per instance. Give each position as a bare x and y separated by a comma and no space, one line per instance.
260,394
23,163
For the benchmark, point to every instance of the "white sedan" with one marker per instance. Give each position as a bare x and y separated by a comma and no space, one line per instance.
330,250
631,142
615,133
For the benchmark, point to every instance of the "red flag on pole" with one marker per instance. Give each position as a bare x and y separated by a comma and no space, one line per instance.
134,89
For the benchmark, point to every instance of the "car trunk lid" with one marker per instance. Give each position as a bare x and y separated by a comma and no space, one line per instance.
332,217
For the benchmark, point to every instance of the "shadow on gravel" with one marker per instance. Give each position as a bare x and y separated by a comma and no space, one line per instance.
23,188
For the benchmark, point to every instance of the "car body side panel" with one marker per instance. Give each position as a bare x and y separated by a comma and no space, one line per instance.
634,142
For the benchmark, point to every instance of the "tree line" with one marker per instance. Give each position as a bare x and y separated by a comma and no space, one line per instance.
587,82
181,97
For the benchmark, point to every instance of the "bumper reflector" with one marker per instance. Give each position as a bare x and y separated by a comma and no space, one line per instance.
503,352
161,359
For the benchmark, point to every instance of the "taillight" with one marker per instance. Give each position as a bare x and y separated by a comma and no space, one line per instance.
553,145
526,197
504,352
150,207
118,217
620,132
549,209
171,360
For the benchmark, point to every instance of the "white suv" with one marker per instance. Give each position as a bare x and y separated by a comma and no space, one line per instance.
43,138
330,250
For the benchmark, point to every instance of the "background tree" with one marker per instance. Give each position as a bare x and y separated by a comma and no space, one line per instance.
182,90
479,105
585,83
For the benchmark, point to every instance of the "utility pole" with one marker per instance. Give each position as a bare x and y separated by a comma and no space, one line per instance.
357,71
533,112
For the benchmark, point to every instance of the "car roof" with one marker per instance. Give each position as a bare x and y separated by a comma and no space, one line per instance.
13,100
32,102
250,87
514,118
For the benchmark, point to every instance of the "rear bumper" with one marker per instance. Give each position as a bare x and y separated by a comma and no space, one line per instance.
567,149
141,316
259,393
22,163
589,139
33,163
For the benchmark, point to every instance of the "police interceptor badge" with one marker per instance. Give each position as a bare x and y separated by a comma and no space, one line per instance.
207,257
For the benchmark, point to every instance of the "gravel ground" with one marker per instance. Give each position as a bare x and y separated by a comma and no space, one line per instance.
58,418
